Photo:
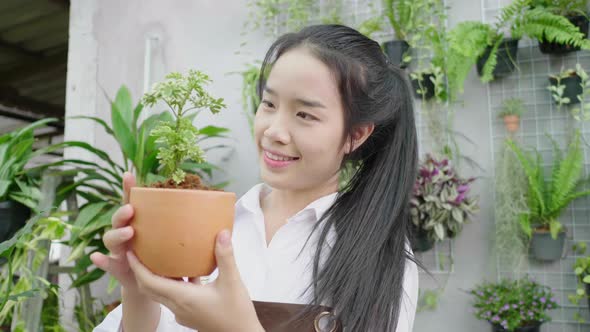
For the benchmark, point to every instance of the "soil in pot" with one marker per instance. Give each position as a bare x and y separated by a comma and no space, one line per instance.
573,87
544,247
425,84
531,327
176,226
506,58
546,47
13,216
396,50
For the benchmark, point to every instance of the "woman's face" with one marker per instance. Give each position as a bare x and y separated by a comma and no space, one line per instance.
299,124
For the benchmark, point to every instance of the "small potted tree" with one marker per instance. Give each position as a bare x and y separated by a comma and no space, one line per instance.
575,12
547,197
513,305
512,109
176,221
440,205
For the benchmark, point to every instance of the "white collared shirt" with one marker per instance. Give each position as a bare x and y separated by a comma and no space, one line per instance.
279,272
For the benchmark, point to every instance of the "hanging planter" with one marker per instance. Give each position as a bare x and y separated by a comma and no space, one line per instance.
572,86
13,216
423,85
512,109
520,305
506,58
530,328
397,51
581,22
546,248
420,241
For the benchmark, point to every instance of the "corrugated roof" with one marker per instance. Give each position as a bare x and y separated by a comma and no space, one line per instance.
33,60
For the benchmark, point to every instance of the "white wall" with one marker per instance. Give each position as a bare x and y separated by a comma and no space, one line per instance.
107,49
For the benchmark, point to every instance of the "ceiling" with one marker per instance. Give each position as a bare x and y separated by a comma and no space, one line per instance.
33,61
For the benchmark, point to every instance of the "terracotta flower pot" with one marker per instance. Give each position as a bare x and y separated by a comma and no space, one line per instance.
512,122
175,229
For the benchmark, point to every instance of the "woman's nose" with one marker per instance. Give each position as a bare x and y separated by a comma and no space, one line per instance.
278,130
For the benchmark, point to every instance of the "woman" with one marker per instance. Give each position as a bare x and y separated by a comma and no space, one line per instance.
330,96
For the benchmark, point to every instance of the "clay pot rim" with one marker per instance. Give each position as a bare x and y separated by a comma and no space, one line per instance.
210,192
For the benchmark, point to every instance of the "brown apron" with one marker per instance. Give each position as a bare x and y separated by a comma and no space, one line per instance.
278,317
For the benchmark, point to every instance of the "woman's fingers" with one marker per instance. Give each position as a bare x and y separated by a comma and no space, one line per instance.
109,264
128,183
122,216
116,239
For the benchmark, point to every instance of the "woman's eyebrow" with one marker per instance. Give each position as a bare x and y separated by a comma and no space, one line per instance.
301,101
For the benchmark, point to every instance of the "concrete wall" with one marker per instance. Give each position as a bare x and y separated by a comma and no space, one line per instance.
204,34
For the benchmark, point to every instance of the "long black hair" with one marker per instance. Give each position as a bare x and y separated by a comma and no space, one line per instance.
362,276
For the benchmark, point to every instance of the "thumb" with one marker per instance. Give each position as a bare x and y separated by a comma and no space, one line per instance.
224,254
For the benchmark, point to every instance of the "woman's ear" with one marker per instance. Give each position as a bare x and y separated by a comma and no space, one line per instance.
358,137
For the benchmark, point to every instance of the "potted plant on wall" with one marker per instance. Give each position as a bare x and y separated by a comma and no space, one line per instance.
581,269
513,305
440,205
512,109
494,53
176,221
572,87
547,197
19,192
575,12
565,87
407,18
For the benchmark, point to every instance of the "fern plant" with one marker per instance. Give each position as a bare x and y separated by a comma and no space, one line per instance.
563,7
470,39
547,197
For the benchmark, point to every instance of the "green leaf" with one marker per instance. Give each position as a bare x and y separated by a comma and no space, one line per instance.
123,133
124,106
213,131
86,215
87,278
100,121
555,228
586,279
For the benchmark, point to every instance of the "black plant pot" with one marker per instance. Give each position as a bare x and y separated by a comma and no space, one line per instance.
546,47
588,294
529,328
395,50
13,216
573,87
420,240
425,84
506,58
545,248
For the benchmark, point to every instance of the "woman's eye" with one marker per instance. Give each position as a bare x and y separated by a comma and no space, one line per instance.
268,103
306,116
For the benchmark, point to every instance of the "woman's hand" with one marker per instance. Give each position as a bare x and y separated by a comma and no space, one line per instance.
220,306
116,241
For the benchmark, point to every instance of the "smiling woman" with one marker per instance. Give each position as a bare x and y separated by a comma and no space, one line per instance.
328,96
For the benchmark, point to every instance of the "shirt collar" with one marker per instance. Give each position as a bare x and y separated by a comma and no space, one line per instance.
250,202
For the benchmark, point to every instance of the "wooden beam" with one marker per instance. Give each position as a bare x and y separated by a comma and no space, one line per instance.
28,109
18,51
31,68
